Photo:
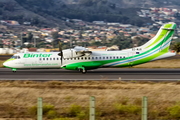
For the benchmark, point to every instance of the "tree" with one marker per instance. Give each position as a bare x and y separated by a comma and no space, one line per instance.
29,36
176,47
55,35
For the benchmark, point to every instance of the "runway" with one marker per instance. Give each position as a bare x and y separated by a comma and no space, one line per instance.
124,74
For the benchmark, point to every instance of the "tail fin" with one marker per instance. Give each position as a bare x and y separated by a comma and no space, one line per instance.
162,39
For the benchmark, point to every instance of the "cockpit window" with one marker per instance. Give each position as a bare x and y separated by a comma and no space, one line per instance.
16,57
13,57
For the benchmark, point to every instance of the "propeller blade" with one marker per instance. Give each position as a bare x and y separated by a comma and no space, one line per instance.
61,52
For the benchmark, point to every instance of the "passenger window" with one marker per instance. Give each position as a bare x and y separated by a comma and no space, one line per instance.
81,58
92,58
46,58
50,58
106,57
53,58
96,58
57,58
40,59
43,58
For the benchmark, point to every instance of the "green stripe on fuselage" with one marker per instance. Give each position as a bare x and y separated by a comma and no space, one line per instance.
149,58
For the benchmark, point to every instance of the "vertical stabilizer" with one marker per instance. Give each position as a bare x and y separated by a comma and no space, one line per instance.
162,39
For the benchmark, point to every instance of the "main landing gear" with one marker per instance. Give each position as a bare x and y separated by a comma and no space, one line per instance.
14,70
82,70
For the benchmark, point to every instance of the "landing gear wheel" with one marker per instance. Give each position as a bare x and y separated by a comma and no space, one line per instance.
83,71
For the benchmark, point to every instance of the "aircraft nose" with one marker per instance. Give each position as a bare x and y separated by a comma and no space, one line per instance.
5,64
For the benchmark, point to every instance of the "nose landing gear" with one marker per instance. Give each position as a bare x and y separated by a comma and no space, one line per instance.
14,69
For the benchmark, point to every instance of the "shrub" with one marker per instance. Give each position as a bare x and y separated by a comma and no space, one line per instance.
61,119
121,108
78,111
82,115
174,111
125,109
74,110
48,111
47,108
134,109
51,114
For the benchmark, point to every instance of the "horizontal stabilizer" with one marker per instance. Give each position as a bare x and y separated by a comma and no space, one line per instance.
167,29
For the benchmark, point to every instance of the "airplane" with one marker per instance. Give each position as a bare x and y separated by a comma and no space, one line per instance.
81,59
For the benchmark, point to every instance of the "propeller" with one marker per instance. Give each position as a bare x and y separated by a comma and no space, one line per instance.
61,52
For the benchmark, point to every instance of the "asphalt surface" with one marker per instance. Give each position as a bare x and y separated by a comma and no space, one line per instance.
5,57
97,74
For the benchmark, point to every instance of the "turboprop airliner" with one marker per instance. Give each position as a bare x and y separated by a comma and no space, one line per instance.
81,59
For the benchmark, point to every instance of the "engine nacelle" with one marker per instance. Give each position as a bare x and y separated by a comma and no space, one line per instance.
69,53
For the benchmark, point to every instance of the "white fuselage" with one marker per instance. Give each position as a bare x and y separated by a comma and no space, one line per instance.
53,60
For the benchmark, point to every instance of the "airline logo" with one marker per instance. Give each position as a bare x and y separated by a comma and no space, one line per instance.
28,55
